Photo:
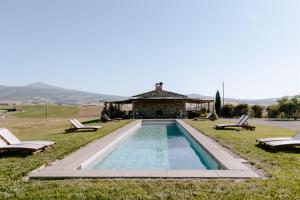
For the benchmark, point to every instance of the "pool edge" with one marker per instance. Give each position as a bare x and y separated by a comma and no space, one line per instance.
67,168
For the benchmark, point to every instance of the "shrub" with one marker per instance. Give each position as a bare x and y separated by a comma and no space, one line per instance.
192,114
213,116
257,111
289,107
203,111
240,110
104,112
273,111
226,111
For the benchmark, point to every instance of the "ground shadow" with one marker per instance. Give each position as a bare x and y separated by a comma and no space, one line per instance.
91,121
288,149
229,129
18,154
283,120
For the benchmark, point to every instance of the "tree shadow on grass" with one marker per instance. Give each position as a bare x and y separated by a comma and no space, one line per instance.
288,149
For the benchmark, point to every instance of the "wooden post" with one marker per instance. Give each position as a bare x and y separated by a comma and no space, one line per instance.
46,107
223,93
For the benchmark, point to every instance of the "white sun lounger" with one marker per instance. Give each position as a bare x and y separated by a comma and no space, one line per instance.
81,125
28,147
283,143
76,126
207,117
107,118
264,140
11,139
242,122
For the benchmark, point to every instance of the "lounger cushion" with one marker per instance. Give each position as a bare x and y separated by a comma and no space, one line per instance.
9,137
28,146
263,140
283,143
46,143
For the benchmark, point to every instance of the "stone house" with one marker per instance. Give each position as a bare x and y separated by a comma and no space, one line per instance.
161,104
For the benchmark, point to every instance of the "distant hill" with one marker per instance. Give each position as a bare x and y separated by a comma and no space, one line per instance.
266,102
37,93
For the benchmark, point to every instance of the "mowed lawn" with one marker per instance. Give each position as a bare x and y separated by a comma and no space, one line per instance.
54,111
281,167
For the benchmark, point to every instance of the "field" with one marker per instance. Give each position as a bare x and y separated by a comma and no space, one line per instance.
39,111
281,167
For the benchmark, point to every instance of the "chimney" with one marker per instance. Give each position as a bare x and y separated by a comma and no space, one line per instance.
158,87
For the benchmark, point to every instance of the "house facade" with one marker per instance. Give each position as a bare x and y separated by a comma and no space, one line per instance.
160,104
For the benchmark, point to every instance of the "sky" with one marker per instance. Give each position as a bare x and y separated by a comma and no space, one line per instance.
124,47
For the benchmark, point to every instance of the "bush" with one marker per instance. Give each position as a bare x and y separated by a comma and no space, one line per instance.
226,111
203,111
273,111
213,117
290,108
257,111
240,109
192,114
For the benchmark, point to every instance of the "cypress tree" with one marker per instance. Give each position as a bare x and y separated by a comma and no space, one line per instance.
218,103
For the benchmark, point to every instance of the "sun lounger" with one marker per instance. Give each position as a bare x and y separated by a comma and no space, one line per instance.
264,140
81,125
26,147
77,126
203,118
109,119
242,122
11,139
283,143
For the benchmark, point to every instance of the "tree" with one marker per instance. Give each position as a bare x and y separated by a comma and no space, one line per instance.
296,102
218,103
273,111
240,110
289,107
257,111
227,111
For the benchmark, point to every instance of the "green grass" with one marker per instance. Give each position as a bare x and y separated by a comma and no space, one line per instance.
282,168
39,111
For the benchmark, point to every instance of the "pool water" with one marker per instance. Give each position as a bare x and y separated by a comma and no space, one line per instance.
160,146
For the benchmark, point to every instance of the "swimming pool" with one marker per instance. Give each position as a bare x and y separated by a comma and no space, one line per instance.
150,149
156,145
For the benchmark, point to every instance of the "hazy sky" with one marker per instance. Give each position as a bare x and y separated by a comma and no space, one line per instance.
124,47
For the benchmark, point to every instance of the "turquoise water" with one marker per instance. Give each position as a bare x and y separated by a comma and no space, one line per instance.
163,146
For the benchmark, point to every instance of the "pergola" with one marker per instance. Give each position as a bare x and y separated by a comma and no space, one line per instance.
191,103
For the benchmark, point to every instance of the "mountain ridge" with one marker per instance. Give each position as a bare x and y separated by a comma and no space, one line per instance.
38,91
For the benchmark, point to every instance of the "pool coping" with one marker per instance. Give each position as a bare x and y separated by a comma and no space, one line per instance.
67,168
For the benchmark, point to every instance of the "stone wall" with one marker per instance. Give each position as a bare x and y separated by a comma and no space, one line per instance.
158,108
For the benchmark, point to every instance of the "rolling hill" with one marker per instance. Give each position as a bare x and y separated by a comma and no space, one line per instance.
37,93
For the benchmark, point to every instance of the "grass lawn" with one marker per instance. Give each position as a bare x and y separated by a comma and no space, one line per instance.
282,167
39,111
